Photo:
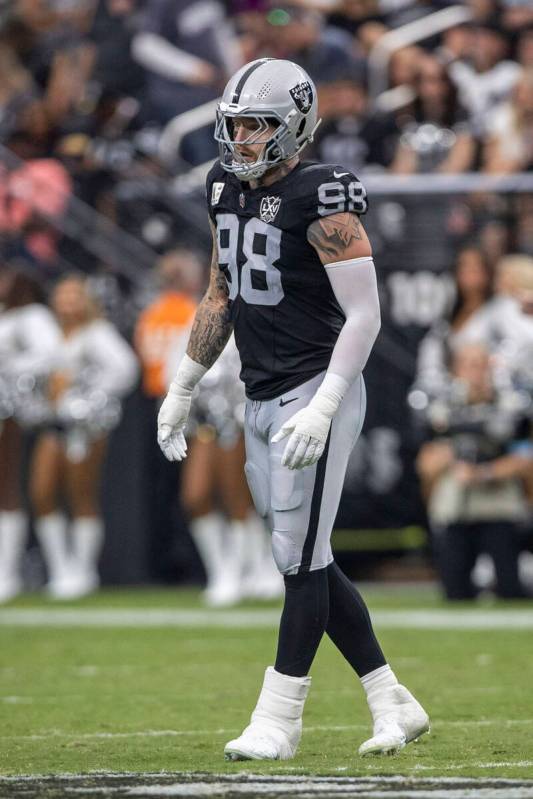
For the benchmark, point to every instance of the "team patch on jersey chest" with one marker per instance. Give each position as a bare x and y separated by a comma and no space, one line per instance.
269,208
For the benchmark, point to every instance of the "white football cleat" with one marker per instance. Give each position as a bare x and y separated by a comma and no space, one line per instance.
398,719
262,743
276,724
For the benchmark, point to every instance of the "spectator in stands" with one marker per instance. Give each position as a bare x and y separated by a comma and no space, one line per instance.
511,330
29,337
50,42
472,471
115,72
437,137
163,327
253,33
467,321
404,66
188,50
34,194
509,146
485,76
352,134
300,35
94,369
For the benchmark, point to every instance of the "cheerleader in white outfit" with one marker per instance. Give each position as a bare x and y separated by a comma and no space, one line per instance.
29,337
95,368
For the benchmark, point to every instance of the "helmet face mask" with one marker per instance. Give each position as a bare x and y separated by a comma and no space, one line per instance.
230,156
276,95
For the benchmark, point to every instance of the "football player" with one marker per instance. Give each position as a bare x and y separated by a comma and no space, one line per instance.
292,275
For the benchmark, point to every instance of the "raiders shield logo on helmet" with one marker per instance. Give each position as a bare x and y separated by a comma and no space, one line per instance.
269,208
302,94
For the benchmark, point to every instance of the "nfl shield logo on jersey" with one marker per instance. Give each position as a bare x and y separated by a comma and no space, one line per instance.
269,208
302,94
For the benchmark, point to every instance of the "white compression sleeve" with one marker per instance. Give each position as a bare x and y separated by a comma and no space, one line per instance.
354,285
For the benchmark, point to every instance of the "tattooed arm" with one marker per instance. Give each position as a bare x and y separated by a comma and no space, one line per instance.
210,333
212,325
339,237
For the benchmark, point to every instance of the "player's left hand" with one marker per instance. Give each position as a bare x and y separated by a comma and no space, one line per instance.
308,430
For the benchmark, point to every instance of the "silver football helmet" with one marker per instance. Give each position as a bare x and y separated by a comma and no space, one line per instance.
272,92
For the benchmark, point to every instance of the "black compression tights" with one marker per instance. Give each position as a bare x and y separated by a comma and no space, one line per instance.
349,625
325,601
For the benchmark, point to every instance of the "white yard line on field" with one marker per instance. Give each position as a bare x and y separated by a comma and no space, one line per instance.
435,618
54,733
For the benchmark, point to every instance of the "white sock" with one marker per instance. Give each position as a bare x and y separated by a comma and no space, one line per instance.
87,541
13,535
375,681
206,532
51,531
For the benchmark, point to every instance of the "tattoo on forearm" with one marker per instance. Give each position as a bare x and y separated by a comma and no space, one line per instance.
210,333
333,235
212,325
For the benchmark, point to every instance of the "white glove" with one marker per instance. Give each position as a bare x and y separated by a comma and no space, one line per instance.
309,427
171,422
175,409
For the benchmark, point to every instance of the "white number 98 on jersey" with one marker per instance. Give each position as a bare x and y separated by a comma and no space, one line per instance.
336,197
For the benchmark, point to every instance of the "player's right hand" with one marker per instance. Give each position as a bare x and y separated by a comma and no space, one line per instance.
171,422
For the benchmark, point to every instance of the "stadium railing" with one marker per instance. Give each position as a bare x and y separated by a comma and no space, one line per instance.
406,35
126,254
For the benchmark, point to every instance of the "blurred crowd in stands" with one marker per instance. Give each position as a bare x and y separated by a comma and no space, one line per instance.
87,90
88,86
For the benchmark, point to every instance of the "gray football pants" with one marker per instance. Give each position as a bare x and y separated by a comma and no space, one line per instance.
300,505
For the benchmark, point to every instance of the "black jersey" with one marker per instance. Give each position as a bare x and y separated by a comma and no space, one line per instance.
285,316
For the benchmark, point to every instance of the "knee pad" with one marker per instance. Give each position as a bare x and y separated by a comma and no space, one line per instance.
287,553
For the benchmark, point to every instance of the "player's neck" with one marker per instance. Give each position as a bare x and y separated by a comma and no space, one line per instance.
276,173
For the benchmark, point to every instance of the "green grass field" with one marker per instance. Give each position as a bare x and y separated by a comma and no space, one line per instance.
162,697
